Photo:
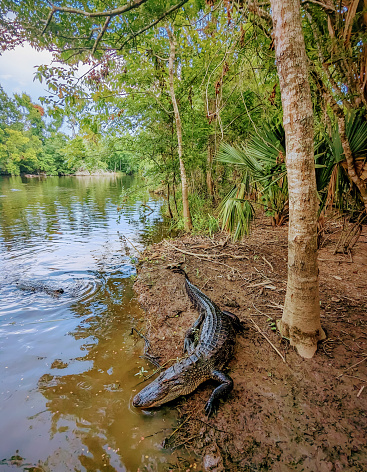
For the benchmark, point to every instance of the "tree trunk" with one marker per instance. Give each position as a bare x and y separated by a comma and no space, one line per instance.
351,164
174,193
185,193
168,201
360,184
301,315
209,168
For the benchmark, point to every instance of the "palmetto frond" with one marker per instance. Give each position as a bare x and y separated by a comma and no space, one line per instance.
262,161
236,212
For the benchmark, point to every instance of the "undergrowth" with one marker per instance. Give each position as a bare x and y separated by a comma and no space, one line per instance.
202,215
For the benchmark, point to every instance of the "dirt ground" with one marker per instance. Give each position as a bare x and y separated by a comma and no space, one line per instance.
297,415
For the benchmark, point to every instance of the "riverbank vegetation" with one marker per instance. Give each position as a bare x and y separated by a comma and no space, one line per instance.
229,115
227,107
233,110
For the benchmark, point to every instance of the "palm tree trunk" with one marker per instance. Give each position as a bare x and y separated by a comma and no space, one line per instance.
360,184
185,192
301,316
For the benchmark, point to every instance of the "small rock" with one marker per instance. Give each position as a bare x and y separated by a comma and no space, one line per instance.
211,462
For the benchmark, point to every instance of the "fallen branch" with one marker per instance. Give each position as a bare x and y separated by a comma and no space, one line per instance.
147,206
271,344
128,240
205,256
261,313
211,426
355,377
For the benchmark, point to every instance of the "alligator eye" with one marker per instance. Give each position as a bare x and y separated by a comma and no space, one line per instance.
171,380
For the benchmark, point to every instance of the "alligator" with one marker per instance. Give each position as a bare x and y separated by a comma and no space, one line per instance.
209,345
39,287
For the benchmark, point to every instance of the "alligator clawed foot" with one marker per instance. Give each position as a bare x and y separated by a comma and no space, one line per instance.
210,408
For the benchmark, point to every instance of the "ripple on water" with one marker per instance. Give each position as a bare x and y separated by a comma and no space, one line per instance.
58,288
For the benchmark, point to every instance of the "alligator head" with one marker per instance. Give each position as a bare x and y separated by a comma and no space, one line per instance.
169,385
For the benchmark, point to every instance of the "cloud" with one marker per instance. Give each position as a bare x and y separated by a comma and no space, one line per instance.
17,69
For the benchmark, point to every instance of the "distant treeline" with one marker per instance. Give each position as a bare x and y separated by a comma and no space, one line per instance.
31,141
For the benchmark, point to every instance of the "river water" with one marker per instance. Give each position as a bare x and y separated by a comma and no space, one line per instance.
69,365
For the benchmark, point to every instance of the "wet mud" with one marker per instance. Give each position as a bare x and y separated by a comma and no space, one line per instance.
284,413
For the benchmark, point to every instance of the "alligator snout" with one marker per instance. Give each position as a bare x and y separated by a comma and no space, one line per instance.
137,401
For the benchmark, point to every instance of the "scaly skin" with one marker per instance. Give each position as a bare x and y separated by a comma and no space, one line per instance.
209,344
39,287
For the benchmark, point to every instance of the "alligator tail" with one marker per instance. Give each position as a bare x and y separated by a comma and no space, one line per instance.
177,269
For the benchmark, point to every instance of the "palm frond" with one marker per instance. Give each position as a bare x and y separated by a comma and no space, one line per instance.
236,212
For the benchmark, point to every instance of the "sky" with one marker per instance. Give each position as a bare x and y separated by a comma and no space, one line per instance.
17,68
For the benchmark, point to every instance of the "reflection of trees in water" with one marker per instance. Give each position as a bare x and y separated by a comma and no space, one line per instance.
88,398
45,208
42,207
96,400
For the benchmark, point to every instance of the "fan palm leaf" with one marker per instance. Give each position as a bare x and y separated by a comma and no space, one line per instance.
262,160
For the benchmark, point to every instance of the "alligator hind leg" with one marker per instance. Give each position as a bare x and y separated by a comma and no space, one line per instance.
191,336
235,320
226,385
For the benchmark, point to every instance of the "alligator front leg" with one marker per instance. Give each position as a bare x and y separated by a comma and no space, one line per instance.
226,385
191,337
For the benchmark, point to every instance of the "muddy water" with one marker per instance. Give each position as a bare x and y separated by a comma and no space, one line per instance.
68,363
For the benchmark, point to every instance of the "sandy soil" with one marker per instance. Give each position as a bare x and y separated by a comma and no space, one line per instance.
297,415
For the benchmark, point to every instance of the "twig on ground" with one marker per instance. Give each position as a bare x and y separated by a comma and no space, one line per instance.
201,288
211,426
271,267
355,377
175,431
333,260
187,440
261,313
271,344
206,257
351,367
276,305
360,391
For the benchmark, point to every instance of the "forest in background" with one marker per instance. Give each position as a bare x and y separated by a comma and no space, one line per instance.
226,90
33,141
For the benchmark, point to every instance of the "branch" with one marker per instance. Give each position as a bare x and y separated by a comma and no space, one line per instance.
328,8
166,13
101,33
254,8
94,14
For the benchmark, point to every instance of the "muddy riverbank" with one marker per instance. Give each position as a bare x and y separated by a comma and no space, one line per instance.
284,413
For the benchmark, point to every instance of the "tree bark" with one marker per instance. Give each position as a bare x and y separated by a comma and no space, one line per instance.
185,192
209,168
168,201
301,316
360,184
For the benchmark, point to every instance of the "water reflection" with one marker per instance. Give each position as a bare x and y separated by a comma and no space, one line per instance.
68,362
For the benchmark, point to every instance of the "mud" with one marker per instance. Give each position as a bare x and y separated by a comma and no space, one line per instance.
297,415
